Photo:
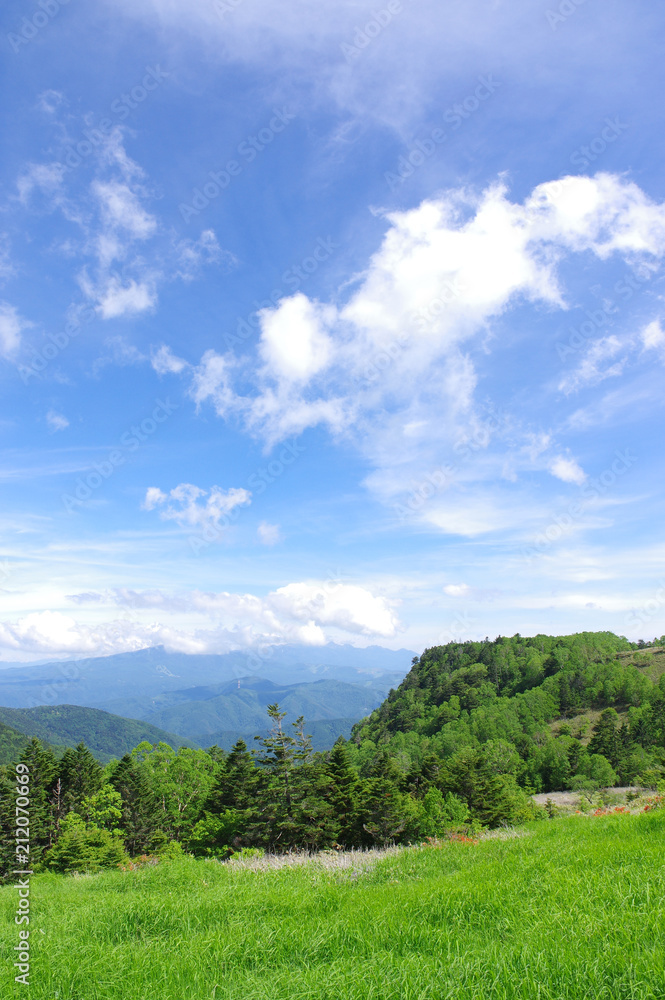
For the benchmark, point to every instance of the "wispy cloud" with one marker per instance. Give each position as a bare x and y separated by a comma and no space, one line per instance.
56,421
193,507
11,327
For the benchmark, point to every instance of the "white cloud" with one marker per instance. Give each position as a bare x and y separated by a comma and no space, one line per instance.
567,470
118,299
212,380
268,534
591,370
56,421
348,607
153,497
11,327
429,54
469,516
299,612
192,255
51,632
47,178
653,336
345,606
215,505
294,342
391,367
164,361
50,100
456,589
121,209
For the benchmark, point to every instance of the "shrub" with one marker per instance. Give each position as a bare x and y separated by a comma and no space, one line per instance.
84,848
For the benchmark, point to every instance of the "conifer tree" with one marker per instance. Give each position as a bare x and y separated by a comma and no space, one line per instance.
343,796
140,815
80,777
42,776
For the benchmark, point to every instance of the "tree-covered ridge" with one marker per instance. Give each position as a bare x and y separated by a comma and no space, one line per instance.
106,735
506,693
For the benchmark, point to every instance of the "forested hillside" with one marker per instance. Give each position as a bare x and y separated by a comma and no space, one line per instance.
105,735
555,711
12,742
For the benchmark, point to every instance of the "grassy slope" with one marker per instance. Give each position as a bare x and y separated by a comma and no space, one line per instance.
571,911
650,661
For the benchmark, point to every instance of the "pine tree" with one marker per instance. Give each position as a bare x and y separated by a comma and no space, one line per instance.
235,781
80,777
41,779
140,815
605,738
382,806
343,796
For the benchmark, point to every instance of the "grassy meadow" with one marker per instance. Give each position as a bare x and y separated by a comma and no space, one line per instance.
568,908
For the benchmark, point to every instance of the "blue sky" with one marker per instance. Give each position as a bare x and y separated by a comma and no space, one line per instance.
329,322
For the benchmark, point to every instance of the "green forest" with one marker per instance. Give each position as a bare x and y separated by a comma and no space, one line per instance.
473,731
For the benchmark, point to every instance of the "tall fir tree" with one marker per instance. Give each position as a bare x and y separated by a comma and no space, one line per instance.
140,813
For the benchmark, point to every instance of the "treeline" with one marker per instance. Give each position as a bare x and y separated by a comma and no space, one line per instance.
280,796
466,739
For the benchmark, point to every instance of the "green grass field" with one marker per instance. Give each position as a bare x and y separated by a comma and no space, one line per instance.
573,909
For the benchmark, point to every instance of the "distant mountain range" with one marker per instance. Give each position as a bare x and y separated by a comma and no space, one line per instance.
144,677
114,702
